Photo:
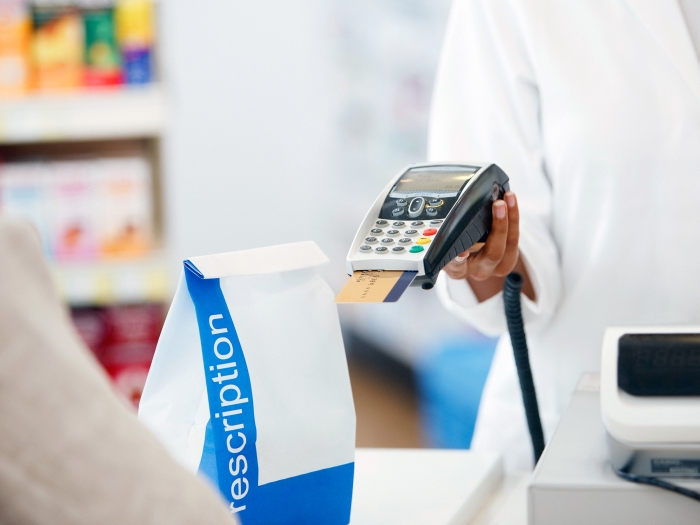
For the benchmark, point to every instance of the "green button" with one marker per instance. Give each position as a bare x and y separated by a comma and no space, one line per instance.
416,249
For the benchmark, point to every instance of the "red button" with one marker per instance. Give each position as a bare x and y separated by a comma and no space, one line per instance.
430,231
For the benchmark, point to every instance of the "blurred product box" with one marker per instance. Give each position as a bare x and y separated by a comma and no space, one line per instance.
123,338
125,207
66,44
102,55
131,338
57,44
72,210
84,210
15,34
91,326
23,193
135,32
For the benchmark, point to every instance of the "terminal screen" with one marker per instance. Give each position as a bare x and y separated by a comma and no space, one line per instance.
659,364
428,181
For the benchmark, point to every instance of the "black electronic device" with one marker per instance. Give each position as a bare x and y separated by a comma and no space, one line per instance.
426,216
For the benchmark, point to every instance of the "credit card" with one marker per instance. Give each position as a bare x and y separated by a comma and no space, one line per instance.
376,286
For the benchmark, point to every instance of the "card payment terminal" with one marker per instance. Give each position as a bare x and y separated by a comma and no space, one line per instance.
426,216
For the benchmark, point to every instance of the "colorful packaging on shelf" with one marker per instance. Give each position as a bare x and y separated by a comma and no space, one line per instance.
131,336
91,326
102,56
72,210
24,194
15,32
83,209
249,385
126,212
57,44
123,338
135,33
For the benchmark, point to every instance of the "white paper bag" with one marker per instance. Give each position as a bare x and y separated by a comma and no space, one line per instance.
249,385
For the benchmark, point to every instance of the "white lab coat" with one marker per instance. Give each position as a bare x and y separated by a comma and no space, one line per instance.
593,110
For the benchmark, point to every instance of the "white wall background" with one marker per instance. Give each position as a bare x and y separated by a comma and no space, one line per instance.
288,117
249,155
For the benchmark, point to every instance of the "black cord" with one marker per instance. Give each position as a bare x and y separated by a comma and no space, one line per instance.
657,482
514,317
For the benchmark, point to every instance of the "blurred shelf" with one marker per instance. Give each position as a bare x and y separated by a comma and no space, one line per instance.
100,283
94,114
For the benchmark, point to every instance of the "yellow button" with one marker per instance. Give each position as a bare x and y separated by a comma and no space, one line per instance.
423,240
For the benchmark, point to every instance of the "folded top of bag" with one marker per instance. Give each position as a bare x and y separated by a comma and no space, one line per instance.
270,259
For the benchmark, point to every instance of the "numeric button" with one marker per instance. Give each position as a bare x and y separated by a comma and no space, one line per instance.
371,240
393,233
405,241
365,248
376,231
387,241
381,249
381,223
411,233
399,224
398,249
417,224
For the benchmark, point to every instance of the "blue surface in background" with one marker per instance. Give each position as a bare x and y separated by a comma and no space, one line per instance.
450,382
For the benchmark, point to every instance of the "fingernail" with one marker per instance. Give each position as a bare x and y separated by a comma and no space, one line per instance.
500,210
510,199
460,259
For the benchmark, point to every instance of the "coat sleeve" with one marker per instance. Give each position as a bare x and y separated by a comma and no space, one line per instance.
486,109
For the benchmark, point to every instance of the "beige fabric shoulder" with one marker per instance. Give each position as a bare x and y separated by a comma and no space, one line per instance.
70,452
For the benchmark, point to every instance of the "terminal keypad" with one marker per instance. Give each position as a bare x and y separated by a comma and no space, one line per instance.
399,237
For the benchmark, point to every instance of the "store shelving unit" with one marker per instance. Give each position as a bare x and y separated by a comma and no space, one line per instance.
103,283
114,113
95,122
84,166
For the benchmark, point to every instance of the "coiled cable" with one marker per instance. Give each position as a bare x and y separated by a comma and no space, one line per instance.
514,318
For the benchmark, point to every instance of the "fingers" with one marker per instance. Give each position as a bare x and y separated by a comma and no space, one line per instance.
500,253
485,262
457,268
510,255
